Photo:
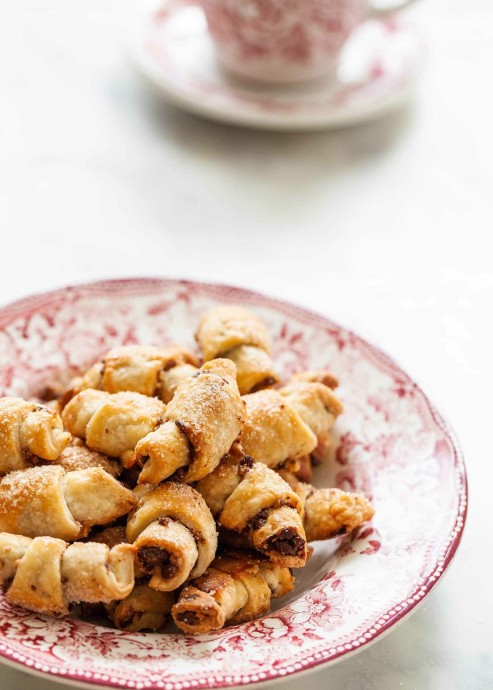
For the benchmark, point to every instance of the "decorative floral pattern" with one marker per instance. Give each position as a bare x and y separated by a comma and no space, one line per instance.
172,47
284,33
393,445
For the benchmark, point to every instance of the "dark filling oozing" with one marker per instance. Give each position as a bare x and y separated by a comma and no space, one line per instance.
245,465
152,556
189,618
182,471
265,383
259,519
287,543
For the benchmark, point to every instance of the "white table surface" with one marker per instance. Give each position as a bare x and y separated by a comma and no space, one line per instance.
386,227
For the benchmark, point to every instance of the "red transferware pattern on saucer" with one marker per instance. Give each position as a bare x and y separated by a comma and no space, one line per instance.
392,444
379,65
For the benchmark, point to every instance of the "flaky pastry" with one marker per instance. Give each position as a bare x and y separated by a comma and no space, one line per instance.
238,335
47,501
143,609
201,422
250,498
138,368
77,456
47,575
174,533
28,431
113,423
235,589
329,512
288,423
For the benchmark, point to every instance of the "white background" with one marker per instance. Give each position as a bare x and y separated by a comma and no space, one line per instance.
386,228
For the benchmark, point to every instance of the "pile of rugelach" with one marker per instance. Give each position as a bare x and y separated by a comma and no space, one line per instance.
158,485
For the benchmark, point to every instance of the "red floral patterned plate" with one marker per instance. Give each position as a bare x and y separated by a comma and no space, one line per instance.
393,445
171,47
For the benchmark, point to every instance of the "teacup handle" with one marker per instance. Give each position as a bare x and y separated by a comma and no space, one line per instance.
376,12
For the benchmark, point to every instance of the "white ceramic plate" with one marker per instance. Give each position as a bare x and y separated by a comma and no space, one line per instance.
393,445
378,70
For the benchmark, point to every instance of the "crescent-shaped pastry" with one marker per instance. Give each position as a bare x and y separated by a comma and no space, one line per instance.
235,589
273,429
46,575
77,456
317,405
143,609
28,431
250,498
289,423
174,534
237,334
329,512
113,423
202,420
136,368
47,501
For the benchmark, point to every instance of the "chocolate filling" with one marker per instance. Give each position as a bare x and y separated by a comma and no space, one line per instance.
265,383
245,465
152,556
188,617
259,519
287,542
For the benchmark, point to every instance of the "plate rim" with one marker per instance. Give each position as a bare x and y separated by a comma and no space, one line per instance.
450,544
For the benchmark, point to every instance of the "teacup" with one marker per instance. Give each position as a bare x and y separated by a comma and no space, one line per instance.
285,40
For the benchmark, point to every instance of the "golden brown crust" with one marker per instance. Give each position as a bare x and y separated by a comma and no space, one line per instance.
113,423
94,573
47,501
251,499
78,457
254,369
273,429
260,489
28,429
40,588
174,532
220,484
237,334
235,589
139,368
94,497
329,512
225,327
143,609
135,368
208,413
167,552
317,405
171,379
46,574
281,537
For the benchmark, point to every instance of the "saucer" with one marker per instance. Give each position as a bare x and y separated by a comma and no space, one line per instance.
377,72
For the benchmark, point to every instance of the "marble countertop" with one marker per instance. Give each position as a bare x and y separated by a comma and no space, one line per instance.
386,228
